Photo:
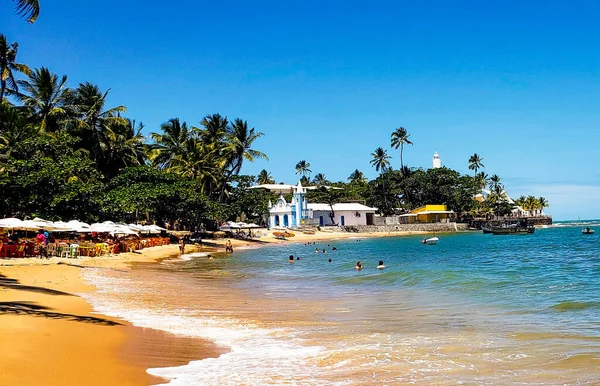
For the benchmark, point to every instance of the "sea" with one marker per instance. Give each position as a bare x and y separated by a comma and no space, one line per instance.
475,309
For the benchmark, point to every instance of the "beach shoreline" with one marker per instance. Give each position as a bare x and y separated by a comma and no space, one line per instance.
45,318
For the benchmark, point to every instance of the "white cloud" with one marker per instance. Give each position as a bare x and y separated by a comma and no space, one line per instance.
567,201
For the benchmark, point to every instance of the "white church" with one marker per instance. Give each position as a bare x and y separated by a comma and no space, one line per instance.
300,212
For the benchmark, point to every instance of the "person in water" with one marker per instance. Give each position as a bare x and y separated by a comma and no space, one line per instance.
381,265
317,250
297,257
334,249
330,260
358,266
228,247
291,260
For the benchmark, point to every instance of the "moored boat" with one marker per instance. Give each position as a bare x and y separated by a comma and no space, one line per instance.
520,226
430,241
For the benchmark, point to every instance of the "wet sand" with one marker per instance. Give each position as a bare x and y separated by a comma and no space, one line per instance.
51,336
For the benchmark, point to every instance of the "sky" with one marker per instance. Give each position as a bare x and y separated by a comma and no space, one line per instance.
328,81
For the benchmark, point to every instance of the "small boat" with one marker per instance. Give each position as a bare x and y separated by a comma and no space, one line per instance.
520,226
430,241
587,231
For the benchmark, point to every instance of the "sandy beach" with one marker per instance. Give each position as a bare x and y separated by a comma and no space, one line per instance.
51,336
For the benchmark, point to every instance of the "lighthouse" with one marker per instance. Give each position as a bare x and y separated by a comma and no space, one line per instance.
436,161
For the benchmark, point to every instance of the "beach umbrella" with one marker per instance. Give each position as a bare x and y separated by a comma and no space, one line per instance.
76,224
11,223
123,230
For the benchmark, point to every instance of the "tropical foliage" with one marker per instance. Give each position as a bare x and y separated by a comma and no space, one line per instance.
68,153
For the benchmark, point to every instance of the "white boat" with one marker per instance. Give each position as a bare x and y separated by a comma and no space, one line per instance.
430,241
587,231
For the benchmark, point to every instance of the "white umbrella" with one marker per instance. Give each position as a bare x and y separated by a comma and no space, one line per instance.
11,223
76,224
156,228
123,230
102,227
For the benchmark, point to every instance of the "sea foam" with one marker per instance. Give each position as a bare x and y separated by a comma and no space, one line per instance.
257,355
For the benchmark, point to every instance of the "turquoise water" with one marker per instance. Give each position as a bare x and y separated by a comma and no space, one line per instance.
473,309
552,276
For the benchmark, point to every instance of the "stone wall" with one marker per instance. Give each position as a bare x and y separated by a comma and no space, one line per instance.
426,227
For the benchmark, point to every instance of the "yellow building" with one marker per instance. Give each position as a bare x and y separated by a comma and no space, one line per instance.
428,214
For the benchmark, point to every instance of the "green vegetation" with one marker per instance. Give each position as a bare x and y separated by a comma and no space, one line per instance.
65,153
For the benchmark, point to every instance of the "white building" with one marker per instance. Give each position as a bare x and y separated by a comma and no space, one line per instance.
346,213
299,212
436,161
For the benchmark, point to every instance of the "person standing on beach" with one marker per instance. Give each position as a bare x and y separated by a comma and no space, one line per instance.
181,246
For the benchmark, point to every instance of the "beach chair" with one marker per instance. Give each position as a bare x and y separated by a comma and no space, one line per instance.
74,251
51,250
63,250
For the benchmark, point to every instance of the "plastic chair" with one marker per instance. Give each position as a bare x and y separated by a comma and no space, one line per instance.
63,250
74,251
51,250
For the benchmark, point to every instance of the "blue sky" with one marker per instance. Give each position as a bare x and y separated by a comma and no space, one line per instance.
328,81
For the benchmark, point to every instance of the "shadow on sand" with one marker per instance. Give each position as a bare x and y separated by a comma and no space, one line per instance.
34,309
31,308
6,282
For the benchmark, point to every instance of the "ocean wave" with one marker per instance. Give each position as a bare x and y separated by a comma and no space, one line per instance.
258,355
575,306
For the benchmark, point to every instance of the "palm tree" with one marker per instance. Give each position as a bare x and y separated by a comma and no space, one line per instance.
14,129
241,139
543,203
495,184
399,138
320,179
264,177
475,163
170,144
29,9
482,179
46,95
94,120
357,177
380,160
214,129
381,163
303,168
8,55
122,146
530,204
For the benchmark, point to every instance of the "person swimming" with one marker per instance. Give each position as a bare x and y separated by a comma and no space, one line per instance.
210,258
358,266
381,266
298,258
291,260
317,250
324,251
334,249
330,260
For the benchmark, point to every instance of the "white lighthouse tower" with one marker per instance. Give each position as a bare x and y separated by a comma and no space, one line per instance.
436,162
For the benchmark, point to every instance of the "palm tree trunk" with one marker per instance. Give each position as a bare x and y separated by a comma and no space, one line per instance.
2,89
401,150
